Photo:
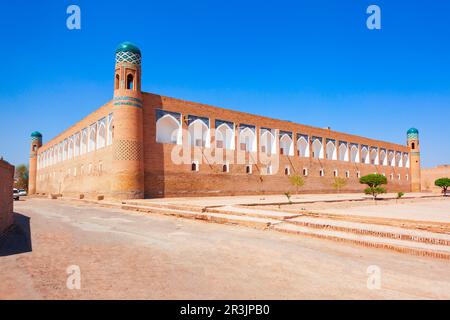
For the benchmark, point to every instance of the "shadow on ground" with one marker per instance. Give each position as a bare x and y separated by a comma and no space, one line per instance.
18,238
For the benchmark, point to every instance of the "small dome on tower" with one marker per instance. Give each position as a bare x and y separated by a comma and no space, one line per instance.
36,134
128,47
412,130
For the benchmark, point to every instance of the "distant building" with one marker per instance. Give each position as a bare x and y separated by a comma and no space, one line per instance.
145,145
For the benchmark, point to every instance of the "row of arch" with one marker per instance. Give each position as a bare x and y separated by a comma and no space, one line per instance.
168,130
96,136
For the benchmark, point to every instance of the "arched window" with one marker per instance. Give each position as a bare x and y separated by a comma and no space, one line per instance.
198,133
70,153
117,82
354,154
383,157
194,166
343,152
247,141
406,160
92,137
374,156
110,129
224,137
287,171
317,149
65,149
130,82
84,141
167,129
267,142
364,153
391,158
76,139
331,150
413,145
302,147
101,135
398,159
286,146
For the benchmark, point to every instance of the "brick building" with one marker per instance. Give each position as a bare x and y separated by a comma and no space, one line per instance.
145,145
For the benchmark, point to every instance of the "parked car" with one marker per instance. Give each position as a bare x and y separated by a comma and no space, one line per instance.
22,192
16,195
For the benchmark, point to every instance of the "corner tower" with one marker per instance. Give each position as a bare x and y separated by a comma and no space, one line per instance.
36,143
414,151
128,162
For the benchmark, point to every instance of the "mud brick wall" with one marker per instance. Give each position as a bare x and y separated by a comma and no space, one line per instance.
6,195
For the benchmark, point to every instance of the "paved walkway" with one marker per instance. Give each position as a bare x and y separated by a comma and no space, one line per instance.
126,255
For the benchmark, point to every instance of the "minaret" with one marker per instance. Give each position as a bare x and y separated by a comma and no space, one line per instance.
36,143
128,157
414,151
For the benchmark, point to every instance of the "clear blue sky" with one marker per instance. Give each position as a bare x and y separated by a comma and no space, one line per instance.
312,62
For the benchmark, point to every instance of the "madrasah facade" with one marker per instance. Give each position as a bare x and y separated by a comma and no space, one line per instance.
144,145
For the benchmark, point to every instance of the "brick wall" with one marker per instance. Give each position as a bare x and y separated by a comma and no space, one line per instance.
6,194
88,174
429,175
164,178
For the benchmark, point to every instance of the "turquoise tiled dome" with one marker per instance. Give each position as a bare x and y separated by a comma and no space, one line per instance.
36,134
128,47
412,133
412,130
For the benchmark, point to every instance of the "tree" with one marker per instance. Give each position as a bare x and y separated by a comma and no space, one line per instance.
21,177
339,183
297,181
374,181
443,183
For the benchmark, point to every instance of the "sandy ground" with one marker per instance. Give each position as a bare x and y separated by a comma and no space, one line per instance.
124,255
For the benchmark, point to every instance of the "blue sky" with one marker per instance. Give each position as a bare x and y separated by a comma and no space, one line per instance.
312,62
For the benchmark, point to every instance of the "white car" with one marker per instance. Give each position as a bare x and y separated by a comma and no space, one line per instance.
16,196
22,192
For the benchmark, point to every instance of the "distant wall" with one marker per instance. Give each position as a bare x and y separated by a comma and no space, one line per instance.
6,194
429,175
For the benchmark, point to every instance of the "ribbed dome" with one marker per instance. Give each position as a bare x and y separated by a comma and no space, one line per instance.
412,130
128,47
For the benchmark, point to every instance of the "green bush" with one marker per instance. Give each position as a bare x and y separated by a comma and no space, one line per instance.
374,181
443,183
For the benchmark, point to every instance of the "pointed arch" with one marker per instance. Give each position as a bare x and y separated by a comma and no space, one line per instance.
92,137
302,147
267,143
364,154
343,152
391,158
354,153
383,158
317,148
331,150
247,140
406,160
198,133
286,145
374,156
225,137
398,160
168,130
109,140
130,82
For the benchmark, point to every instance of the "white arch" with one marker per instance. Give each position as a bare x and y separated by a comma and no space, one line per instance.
398,160
383,158
101,133
391,159
65,149
364,155
286,145
199,134
317,149
331,151
354,154
84,141
247,140
268,143
92,137
226,135
343,152
109,140
374,156
70,148
168,130
406,160
302,147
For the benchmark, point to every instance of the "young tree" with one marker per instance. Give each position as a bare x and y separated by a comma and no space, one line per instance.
339,183
443,183
374,181
297,181
21,177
